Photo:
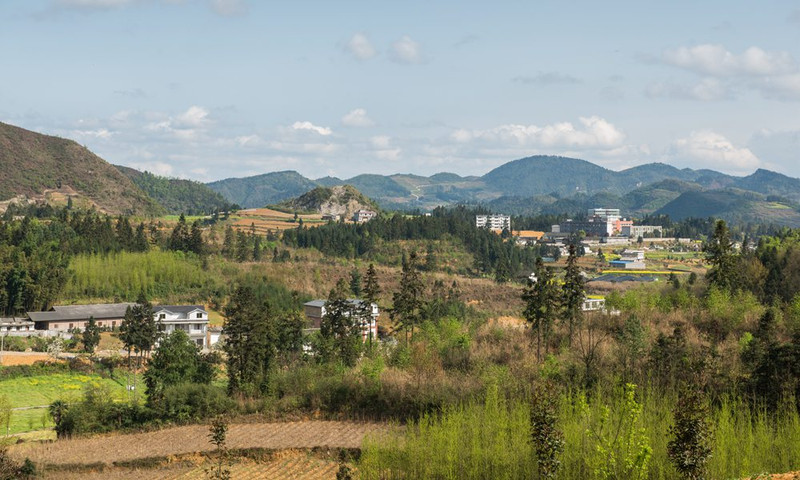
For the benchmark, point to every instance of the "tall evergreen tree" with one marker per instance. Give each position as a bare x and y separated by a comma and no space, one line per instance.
355,282
340,326
250,334
371,287
721,256
91,336
541,305
195,239
229,243
573,292
408,302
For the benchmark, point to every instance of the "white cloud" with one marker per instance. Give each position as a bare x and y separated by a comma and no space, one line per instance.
93,4
357,118
707,149
159,168
360,47
783,87
708,90
314,128
716,60
229,8
593,132
100,133
380,141
193,117
406,50
544,79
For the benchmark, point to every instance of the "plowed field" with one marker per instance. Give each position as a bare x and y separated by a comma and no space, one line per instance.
289,464
194,438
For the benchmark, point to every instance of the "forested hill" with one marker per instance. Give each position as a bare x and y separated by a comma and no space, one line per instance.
178,195
260,190
42,167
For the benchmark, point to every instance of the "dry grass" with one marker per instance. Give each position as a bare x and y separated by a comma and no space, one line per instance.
8,359
194,438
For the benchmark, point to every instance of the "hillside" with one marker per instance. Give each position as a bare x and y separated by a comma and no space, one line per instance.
37,167
178,195
733,205
557,185
342,200
266,189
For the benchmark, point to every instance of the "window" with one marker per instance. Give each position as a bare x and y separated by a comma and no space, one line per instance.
162,316
199,315
71,326
113,324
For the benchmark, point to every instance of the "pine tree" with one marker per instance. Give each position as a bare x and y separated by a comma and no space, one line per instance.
408,301
722,258
541,305
371,287
250,334
573,292
229,243
91,336
340,326
355,282
195,239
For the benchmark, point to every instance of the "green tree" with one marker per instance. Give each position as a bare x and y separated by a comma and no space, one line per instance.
355,283
548,440
340,326
229,243
408,301
690,445
91,336
217,435
195,241
572,292
5,412
371,287
176,360
250,334
541,305
57,410
721,256
138,332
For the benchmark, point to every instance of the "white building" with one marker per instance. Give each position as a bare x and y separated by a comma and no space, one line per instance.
362,216
315,311
493,222
16,326
636,231
192,319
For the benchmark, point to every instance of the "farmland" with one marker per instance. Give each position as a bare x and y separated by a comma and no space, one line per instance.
266,220
41,390
268,450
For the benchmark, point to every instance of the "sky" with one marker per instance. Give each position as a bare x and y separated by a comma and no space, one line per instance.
212,89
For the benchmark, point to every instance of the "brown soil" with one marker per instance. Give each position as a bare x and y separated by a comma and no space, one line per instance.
8,359
194,438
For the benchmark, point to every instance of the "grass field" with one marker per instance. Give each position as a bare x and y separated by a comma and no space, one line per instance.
42,390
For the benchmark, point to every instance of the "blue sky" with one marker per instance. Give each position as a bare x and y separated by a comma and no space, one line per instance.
210,89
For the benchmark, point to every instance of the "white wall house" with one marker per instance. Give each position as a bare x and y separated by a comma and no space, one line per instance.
315,310
192,319
493,222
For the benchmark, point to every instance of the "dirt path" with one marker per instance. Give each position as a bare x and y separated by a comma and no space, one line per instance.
194,438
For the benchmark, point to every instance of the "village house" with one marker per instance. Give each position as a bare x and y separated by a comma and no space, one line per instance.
315,311
192,319
16,326
63,318
496,222
362,216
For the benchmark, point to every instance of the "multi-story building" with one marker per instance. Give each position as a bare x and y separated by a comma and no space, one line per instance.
636,231
593,227
362,216
493,222
192,319
368,318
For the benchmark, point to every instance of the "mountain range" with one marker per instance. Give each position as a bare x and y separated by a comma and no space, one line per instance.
551,184
37,167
